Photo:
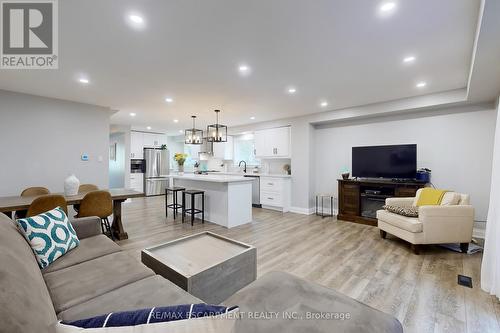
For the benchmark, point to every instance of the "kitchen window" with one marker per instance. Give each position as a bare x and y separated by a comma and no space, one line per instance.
244,150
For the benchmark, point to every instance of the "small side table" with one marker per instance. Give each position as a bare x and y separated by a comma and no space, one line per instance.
320,204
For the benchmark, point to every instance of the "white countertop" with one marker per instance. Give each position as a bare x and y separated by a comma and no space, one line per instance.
279,175
217,178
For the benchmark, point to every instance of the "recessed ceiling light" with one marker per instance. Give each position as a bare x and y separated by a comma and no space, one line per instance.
387,7
181,131
176,120
421,84
132,114
409,59
169,99
149,127
292,90
252,118
136,19
84,80
244,69
323,104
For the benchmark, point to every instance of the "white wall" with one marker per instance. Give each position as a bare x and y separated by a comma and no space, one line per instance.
457,147
42,140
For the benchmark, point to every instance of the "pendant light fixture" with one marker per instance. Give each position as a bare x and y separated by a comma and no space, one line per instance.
217,132
193,136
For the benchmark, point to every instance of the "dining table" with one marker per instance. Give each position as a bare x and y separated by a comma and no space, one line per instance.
118,195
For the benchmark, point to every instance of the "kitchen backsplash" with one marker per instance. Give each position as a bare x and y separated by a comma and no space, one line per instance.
274,166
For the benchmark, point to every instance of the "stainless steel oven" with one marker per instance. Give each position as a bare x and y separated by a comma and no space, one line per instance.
137,166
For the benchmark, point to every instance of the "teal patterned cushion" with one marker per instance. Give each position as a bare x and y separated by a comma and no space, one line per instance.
50,235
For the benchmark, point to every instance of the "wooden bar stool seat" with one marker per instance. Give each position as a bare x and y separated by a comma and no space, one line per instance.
175,206
192,210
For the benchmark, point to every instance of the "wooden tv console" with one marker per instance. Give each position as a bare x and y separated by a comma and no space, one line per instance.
358,199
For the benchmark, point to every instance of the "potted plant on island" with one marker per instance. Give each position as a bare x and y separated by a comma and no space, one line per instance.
180,158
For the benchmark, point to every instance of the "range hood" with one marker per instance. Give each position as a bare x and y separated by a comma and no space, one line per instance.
206,149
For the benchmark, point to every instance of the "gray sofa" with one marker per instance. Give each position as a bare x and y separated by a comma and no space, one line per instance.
98,277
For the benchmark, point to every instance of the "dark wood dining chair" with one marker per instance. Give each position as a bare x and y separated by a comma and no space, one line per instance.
45,203
30,192
100,204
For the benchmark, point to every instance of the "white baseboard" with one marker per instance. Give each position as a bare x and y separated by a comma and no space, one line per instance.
300,210
478,233
479,229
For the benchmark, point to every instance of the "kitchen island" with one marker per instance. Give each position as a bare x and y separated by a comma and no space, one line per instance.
228,199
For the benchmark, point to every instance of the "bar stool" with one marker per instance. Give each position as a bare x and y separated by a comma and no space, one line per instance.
192,210
175,205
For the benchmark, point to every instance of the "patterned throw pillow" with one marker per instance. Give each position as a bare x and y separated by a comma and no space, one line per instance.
50,235
404,211
173,319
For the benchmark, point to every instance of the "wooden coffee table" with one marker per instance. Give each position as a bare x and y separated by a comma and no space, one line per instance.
206,265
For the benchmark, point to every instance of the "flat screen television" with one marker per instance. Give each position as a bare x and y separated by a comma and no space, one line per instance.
395,162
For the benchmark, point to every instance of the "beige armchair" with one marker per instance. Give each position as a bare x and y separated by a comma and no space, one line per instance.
451,222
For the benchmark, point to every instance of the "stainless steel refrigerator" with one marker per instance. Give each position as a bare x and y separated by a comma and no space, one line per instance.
157,170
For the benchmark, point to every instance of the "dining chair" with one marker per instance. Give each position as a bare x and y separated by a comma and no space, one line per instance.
100,204
45,203
84,188
87,188
30,192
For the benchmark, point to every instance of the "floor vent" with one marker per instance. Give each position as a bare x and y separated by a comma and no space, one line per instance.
465,281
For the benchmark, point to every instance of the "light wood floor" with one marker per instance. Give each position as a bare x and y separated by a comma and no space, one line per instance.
420,290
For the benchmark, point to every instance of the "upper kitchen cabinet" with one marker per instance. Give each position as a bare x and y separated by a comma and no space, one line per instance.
136,145
272,143
141,140
224,150
153,140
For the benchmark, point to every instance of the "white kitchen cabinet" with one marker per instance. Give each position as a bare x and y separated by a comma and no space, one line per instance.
224,150
275,193
162,139
150,140
136,145
262,149
272,143
154,140
279,138
137,182
141,140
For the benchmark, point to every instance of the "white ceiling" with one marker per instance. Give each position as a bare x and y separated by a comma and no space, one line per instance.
342,51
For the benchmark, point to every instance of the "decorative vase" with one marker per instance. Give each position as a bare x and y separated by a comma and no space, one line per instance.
181,169
345,176
71,185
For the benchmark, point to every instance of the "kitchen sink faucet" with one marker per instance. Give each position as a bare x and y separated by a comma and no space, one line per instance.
245,168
